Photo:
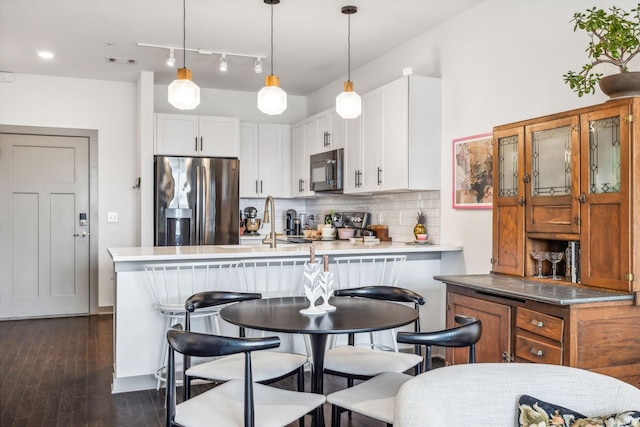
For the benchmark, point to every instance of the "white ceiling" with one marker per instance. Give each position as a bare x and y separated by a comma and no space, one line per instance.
310,37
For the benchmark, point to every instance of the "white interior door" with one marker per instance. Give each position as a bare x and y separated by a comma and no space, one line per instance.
44,246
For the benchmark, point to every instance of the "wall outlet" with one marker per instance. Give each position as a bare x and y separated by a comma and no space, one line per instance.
112,216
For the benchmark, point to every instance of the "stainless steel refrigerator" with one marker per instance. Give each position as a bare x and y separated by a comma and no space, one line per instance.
196,201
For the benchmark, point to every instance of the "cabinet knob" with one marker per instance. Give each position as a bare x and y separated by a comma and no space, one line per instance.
526,178
521,201
536,352
537,323
582,198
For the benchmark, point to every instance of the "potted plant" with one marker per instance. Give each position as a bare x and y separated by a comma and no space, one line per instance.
614,40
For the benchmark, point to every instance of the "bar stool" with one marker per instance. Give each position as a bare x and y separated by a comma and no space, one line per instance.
171,284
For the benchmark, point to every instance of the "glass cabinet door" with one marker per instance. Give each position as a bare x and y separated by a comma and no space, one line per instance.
552,176
604,155
508,206
604,198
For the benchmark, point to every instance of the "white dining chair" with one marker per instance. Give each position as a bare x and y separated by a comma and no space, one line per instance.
171,284
369,270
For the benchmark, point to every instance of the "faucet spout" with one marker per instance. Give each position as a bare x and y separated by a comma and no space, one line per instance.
270,204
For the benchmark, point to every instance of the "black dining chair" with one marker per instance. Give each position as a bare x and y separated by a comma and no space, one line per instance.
356,362
376,398
237,402
268,366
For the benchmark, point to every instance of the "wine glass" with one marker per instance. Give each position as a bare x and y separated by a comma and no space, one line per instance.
539,256
554,258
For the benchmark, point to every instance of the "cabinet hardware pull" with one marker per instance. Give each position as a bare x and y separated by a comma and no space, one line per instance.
526,178
379,181
302,188
196,138
257,192
200,143
536,352
582,198
506,357
260,186
537,323
521,201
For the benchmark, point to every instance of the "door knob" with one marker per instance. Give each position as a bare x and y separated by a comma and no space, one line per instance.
81,234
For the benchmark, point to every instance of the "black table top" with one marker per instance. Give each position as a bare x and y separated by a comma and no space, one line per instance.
351,315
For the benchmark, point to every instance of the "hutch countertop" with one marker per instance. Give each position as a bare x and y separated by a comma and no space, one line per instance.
518,287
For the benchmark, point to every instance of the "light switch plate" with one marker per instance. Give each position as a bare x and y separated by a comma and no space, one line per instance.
112,216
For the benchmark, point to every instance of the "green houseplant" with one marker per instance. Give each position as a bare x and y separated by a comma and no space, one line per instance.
614,40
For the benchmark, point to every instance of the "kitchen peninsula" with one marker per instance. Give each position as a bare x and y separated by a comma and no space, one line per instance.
138,327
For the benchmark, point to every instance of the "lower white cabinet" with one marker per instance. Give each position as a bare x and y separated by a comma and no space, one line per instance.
265,159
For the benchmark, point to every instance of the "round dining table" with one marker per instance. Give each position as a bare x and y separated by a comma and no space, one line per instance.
351,315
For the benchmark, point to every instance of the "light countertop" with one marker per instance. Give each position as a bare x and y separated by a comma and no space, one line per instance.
338,247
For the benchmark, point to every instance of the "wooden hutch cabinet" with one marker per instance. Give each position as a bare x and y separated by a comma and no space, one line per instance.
568,184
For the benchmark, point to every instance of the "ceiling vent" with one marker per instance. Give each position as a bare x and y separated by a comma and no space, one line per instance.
121,60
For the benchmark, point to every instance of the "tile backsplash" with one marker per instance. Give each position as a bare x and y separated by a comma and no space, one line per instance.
397,211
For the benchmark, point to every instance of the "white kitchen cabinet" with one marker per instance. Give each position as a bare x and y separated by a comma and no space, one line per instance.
353,162
330,131
265,156
201,136
303,146
400,138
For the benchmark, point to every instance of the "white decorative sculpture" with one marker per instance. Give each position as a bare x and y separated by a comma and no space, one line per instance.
326,285
312,288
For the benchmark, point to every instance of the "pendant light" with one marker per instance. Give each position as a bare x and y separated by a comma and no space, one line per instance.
272,100
348,103
184,94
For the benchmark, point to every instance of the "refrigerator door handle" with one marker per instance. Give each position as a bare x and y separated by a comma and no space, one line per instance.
197,207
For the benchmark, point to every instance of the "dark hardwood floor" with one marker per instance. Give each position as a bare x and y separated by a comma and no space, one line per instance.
57,372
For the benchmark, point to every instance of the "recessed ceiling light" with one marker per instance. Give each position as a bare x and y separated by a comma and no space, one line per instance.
45,54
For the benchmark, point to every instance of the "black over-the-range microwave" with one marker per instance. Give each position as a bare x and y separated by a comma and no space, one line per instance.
326,171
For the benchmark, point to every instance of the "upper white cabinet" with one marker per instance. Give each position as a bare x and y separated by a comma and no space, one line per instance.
202,136
330,131
265,158
399,146
304,137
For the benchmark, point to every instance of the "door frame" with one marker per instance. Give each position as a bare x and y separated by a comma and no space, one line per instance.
92,135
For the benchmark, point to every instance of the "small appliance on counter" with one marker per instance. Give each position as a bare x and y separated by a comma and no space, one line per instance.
357,220
251,221
290,217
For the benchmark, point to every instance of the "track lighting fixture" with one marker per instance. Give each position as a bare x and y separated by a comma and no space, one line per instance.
272,100
171,61
348,103
184,94
223,63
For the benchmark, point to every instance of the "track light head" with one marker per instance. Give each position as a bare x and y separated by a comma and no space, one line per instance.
171,61
224,65
258,66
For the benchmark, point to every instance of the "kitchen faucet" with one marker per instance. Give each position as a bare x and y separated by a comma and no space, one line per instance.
271,240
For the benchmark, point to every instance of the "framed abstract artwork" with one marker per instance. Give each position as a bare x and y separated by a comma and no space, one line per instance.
473,172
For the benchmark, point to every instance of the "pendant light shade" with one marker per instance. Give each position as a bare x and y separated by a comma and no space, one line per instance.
184,94
348,103
272,100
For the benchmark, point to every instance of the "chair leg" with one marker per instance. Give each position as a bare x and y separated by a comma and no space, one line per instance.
335,415
300,376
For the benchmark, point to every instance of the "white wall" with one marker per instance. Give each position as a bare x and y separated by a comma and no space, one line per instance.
108,107
500,62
